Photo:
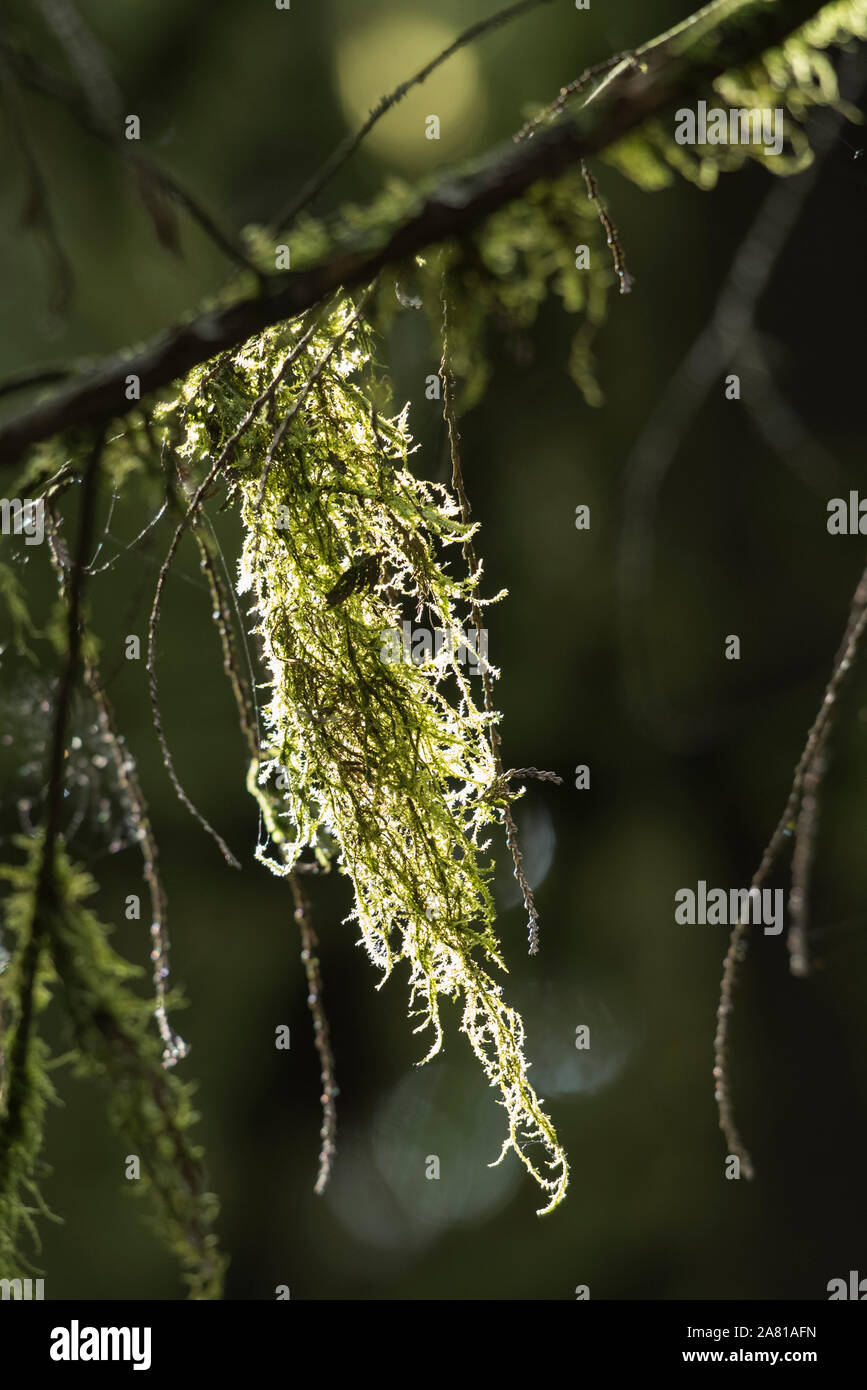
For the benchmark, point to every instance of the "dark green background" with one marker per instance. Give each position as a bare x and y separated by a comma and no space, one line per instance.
242,103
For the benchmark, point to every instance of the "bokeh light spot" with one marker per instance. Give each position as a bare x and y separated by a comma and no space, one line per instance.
377,55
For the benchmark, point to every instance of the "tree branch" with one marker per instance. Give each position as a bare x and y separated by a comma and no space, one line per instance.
671,68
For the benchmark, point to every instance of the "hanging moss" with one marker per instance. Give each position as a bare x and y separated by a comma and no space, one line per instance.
380,763
797,76
26,1090
501,275
62,951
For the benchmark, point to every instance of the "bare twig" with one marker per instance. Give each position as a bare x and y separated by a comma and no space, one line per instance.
174,1047
792,821
802,862
321,1035
74,596
611,235
557,107
45,901
188,519
244,694
347,147
473,567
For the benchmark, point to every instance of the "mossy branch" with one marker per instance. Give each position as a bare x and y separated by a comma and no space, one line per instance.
672,67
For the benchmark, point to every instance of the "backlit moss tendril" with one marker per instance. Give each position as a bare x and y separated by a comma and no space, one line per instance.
379,763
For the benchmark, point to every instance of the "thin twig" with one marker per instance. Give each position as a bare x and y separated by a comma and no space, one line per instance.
280,432
611,234
321,1035
802,862
245,702
557,107
45,900
350,144
174,1047
808,815
787,825
511,828
189,518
